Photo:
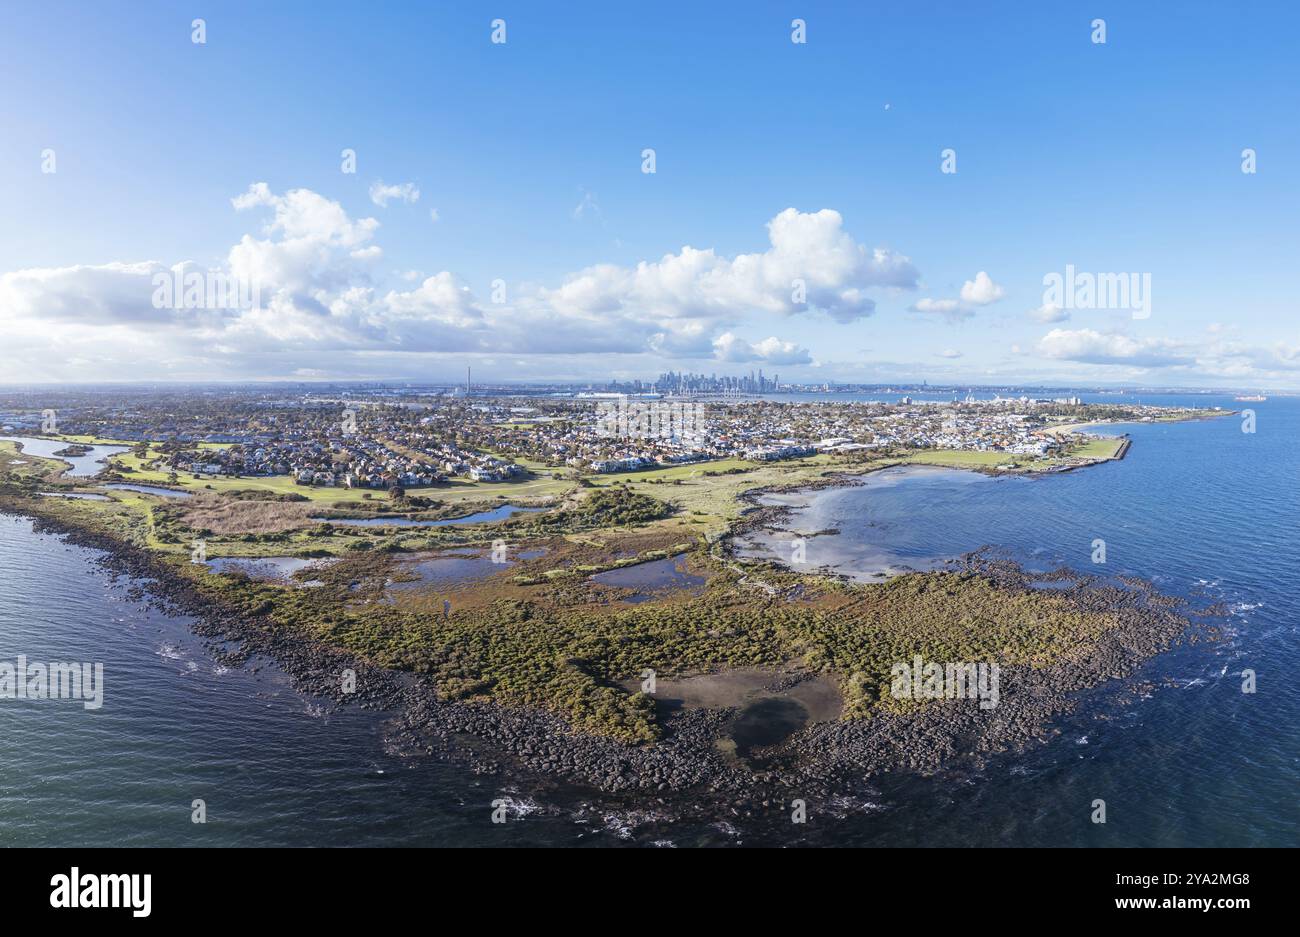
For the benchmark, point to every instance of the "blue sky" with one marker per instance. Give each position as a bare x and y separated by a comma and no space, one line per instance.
1122,157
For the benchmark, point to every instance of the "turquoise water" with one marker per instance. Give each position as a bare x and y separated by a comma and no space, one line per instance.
1205,510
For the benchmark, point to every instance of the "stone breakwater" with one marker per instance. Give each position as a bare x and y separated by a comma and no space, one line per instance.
690,770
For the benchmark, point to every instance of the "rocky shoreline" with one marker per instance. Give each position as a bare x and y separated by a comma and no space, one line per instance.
689,770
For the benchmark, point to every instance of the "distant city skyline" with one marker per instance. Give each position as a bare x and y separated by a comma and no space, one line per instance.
967,196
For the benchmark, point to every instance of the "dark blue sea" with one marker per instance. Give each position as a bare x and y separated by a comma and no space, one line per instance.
1206,511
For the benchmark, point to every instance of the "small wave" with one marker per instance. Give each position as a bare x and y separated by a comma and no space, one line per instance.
315,710
617,826
170,652
1081,740
625,824
518,808
842,806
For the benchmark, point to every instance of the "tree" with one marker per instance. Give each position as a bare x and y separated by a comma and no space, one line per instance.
396,492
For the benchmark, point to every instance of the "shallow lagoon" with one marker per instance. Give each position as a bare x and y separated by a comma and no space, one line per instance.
151,490
482,517
266,568
83,466
652,576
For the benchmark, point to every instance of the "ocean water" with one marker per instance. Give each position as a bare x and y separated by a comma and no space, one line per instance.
1205,510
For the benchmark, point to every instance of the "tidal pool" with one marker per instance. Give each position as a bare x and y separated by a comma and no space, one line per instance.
652,576
460,566
266,568
151,490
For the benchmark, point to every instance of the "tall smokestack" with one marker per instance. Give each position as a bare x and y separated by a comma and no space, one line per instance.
467,371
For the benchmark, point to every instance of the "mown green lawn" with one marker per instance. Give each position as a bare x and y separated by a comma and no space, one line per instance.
962,458
1100,448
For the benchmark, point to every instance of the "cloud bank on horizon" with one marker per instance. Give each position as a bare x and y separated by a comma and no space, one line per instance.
310,276
301,300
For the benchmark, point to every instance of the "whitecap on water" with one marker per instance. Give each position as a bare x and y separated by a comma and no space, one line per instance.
517,808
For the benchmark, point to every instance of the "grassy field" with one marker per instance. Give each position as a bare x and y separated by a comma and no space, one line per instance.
1099,448
961,458
707,493
11,460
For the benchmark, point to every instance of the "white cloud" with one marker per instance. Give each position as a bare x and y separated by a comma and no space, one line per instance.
1092,347
321,313
105,294
950,309
732,348
311,244
981,291
808,248
948,353
1049,313
382,194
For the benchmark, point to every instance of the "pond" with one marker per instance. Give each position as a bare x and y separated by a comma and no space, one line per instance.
83,466
460,566
482,517
767,722
151,490
666,574
265,568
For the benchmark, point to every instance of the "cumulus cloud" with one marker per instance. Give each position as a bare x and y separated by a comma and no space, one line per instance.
310,244
382,194
320,311
981,291
812,264
1092,347
108,293
732,348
